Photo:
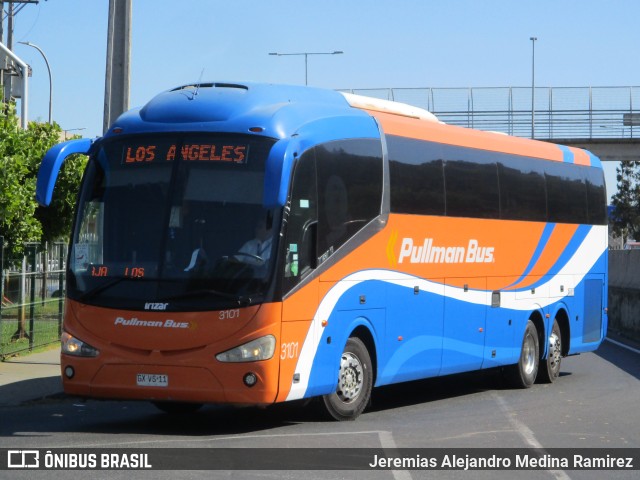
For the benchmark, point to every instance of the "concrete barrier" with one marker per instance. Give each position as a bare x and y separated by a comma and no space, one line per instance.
624,293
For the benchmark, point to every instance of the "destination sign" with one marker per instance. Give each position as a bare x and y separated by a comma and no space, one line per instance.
194,152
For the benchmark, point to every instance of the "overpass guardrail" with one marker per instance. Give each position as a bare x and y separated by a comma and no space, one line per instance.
577,113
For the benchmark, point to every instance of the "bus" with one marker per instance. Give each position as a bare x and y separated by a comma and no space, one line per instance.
251,244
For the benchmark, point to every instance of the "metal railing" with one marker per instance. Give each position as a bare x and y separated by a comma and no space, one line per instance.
32,298
560,112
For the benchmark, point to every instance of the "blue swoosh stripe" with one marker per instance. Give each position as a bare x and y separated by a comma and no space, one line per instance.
573,245
542,243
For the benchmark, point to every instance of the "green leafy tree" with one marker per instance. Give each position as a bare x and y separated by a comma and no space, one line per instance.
626,202
21,152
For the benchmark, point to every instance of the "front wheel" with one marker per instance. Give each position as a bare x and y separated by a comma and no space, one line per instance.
355,380
550,368
523,374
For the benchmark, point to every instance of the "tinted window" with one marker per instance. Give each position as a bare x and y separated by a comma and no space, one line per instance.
522,190
302,221
349,190
416,176
471,188
596,197
168,216
566,193
428,178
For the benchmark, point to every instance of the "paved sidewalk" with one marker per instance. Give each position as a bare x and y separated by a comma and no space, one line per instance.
30,377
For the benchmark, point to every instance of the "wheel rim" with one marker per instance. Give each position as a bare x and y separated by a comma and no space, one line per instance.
529,354
555,351
351,377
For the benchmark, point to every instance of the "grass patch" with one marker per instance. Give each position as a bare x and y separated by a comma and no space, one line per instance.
45,327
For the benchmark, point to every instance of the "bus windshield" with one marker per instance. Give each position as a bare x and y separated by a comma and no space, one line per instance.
174,222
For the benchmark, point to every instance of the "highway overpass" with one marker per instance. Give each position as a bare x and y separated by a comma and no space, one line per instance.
604,120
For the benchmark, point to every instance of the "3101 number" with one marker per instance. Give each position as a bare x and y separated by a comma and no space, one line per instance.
289,350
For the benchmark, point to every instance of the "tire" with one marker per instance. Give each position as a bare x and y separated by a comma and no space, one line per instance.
177,408
550,367
523,374
355,380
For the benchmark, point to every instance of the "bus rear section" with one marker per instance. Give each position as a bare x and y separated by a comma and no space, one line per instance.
254,244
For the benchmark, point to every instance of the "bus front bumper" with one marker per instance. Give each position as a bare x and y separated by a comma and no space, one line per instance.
251,383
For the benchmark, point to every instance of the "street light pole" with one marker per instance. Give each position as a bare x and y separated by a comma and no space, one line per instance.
533,85
306,59
50,78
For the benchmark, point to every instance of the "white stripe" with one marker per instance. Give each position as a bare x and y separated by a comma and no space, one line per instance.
525,432
388,443
634,350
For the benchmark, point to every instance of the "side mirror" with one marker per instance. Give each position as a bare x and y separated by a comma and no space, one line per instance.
50,167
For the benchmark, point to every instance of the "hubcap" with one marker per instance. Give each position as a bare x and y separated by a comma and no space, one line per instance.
350,377
529,354
555,351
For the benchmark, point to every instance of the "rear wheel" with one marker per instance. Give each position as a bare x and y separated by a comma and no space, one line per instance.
550,368
355,380
523,374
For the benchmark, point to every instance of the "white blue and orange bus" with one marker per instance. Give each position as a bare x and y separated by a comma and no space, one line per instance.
253,244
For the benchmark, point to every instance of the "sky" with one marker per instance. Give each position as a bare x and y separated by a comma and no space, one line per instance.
386,43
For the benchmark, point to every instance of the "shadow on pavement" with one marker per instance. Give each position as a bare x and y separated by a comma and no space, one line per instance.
622,358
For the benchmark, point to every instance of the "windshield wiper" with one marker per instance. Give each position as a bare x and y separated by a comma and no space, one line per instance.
105,286
241,300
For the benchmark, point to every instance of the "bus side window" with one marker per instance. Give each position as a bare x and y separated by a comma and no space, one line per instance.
300,240
349,190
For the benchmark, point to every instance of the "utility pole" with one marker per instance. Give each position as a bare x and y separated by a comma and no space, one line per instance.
117,78
533,86
8,79
14,72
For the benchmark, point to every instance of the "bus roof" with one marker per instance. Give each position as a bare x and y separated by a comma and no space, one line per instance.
277,111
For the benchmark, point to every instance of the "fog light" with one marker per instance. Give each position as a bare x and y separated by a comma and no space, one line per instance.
250,379
69,372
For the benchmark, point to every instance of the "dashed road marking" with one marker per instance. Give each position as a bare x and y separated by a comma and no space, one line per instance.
525,432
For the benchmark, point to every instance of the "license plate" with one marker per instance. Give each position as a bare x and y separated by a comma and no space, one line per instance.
152,380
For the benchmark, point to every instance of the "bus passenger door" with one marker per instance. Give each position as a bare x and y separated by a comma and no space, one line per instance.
299,335
465,312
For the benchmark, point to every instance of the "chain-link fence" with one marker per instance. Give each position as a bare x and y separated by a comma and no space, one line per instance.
558,113
32,294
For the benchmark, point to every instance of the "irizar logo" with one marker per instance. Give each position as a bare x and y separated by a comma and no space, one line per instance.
155,306
430,253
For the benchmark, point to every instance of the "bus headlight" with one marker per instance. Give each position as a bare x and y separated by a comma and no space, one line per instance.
74,346
259,349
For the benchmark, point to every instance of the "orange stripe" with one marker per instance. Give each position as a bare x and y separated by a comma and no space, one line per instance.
556,245
465,137
580,157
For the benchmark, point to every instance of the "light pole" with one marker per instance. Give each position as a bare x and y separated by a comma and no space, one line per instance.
50,79
306,59
533,85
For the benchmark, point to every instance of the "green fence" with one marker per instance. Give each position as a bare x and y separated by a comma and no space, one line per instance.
32,294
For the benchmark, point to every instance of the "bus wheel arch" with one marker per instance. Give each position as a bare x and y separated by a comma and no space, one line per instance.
562,317
356,377
364,334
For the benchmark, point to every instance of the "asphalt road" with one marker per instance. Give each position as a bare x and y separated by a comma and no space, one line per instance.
594,404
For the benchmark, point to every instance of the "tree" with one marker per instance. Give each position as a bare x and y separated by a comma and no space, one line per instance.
626,202
21,153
